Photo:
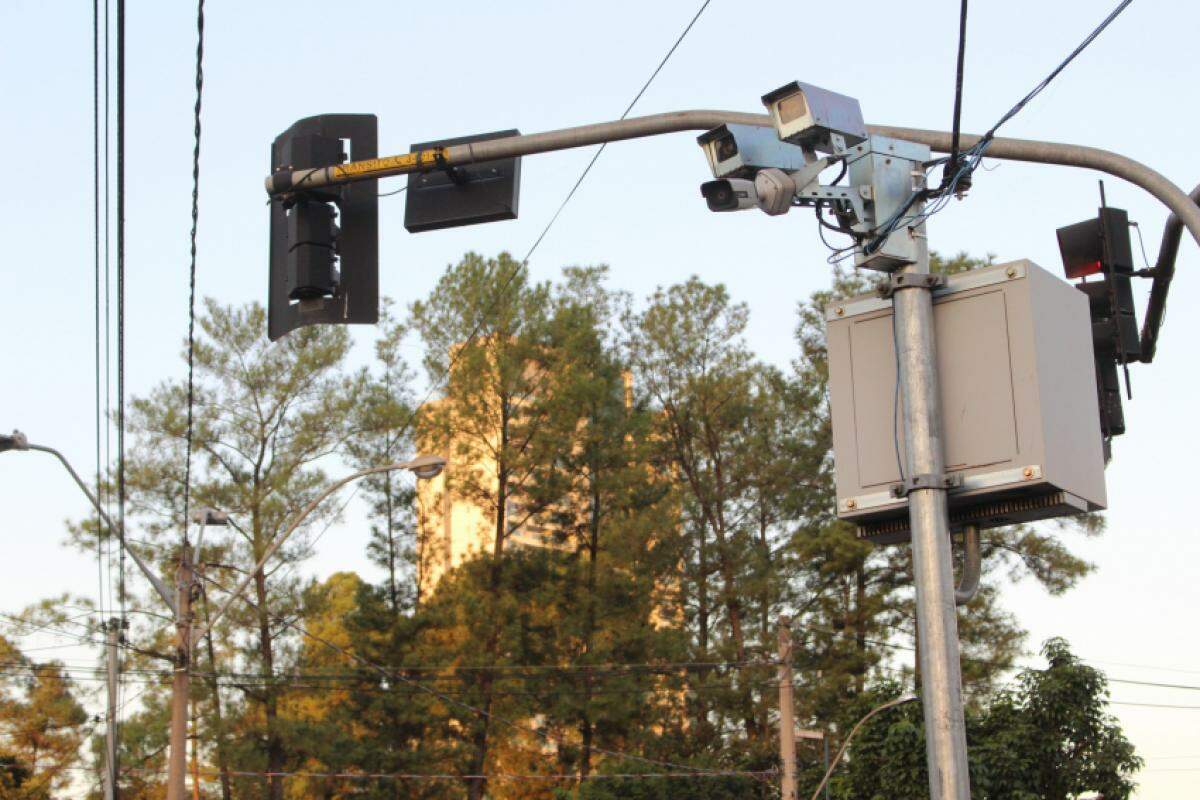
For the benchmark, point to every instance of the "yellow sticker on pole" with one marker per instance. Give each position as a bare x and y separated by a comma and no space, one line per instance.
388,164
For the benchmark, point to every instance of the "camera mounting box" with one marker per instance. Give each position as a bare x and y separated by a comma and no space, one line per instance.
1020,422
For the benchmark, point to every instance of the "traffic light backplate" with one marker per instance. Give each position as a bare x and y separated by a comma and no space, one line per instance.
324,243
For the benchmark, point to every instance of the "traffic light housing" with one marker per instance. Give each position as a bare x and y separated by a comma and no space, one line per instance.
1101,246
324,266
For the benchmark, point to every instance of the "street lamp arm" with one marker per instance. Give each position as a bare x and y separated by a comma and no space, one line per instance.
424,466
155,581
899,701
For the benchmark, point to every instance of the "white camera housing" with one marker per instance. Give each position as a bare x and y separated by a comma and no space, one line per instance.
810,116
739,151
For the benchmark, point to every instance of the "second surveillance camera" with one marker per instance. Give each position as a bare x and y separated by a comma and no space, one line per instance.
729,194
739,151
770,191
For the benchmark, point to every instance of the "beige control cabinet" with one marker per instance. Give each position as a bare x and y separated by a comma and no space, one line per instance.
1021,426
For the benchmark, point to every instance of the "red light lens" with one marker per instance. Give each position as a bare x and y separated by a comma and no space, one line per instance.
1085,268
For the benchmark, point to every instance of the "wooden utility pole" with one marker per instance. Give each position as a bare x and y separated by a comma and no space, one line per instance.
787,717
113,640
180,685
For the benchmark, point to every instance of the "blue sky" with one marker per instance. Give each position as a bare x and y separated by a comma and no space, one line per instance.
435,72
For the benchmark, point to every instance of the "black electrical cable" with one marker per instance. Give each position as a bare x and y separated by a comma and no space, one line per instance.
625,114
952,162
1012,112
187,470
521,265
108,415
121,300
972,157
96,269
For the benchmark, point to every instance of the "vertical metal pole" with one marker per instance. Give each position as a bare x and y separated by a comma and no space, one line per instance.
941,679
787,717
825,747
177,763
113,639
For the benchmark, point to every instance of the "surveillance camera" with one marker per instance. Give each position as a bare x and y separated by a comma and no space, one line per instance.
738,151
729,194
810,116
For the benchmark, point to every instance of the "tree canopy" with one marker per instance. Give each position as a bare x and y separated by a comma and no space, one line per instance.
586,602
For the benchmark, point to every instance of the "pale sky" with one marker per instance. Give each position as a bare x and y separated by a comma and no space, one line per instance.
454,69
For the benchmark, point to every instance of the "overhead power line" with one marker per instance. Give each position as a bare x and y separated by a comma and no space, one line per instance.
210,776
624,114
96,266
517,726
191,336
121,299
972,157
442,380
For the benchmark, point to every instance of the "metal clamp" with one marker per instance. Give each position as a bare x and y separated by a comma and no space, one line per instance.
926,481
910,280
456,175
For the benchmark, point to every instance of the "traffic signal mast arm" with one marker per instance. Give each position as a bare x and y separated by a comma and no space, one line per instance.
286,181
1184,210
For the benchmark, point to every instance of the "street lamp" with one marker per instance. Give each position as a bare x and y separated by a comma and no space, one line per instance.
424,467
18,441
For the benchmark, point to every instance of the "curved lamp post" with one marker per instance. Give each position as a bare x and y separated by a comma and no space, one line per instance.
423,467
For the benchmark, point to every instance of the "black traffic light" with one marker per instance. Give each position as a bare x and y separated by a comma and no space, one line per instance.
1101,246
324,242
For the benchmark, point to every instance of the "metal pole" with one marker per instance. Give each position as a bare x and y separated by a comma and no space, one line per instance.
180,685
787,717
941,679
825,747
112,640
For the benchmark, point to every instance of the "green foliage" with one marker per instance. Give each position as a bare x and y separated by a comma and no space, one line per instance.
41,727
1049,737
645,499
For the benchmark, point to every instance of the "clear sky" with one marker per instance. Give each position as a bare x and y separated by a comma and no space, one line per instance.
452,69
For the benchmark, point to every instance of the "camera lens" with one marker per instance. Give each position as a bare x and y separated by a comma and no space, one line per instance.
719,195
726,148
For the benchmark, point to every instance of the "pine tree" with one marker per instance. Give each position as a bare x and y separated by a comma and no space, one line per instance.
266,414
